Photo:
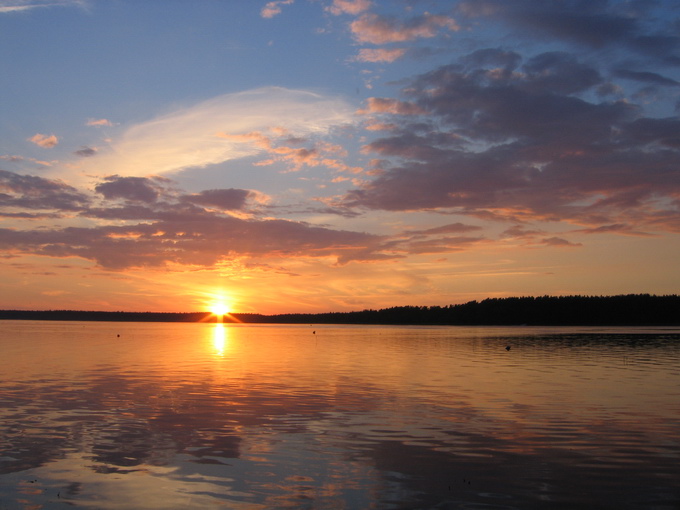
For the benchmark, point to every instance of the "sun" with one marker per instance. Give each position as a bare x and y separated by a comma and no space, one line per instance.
219,309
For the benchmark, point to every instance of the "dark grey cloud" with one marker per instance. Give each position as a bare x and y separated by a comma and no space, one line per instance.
226,199
162,225
641,27
86,152
524,140
33,192
646,77
137,189
192,241
559,73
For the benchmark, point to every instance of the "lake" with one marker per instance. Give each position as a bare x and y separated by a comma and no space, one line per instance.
182,416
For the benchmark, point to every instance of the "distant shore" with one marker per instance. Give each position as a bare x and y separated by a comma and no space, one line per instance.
623,310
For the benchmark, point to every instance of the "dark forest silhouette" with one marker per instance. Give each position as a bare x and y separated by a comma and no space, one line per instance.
624,310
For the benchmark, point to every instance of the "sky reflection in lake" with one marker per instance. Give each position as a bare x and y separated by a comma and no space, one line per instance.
264,416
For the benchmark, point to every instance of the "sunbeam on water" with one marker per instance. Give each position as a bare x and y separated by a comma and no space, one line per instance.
219,338
109,415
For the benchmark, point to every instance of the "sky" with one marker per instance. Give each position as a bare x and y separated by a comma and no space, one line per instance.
335,155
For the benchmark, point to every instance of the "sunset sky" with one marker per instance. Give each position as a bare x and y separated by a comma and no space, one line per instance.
335,155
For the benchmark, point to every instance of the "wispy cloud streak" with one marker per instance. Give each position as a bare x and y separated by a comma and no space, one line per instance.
193,137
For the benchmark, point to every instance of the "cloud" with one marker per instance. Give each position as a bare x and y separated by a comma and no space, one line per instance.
379,54
193,137
36,193
559,242
618,228
156,225
86,152
599,25
646,77
98,122
198,240
136,189
349,6
499,136
519,232
11,158
375,29
283,148
224,199
44,141
18,159
389,105
451,228
272,9
25,5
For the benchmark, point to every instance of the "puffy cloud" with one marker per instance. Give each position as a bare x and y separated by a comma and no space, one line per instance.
349,6
193,137
137,189
272,9
37,193
44,141
375,29
523,141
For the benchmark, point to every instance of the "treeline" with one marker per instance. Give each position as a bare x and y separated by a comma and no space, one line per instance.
623,310
632,309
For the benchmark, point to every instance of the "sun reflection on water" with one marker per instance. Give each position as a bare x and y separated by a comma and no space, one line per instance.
219,338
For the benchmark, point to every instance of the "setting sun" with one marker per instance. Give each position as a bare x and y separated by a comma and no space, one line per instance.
219,309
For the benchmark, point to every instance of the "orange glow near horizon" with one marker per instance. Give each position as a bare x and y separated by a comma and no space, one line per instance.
219,309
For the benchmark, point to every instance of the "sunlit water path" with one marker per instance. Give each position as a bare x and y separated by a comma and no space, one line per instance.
180,416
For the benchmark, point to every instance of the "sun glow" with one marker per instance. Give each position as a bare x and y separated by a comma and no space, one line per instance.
219,309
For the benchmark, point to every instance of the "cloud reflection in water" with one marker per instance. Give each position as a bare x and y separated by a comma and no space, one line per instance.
191,416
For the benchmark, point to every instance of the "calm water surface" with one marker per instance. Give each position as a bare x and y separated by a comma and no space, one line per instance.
182,416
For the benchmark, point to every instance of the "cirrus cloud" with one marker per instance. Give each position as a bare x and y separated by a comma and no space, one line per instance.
193,137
